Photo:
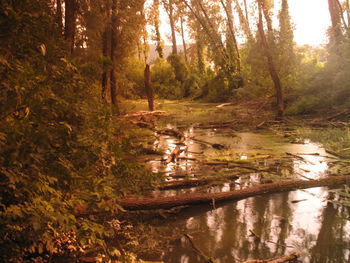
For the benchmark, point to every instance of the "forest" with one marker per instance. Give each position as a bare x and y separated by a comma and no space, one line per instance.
173,131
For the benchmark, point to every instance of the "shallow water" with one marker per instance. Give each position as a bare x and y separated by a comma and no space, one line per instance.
261,227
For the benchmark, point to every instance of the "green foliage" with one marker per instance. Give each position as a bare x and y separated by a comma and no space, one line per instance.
218,89
132,81
163,80
189,86
304,105
334,139
61,151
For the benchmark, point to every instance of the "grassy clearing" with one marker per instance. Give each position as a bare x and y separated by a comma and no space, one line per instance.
184,112
335,139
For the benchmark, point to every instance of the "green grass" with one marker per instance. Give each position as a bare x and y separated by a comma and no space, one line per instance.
182,112
335,139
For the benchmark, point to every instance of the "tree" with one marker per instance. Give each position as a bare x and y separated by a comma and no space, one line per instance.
231,42
59,16
286,55
169,6
268,53
71,9
149,88
114,39
244,20
210,26
156,23
334,11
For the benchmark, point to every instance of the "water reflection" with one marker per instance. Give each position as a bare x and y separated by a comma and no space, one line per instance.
314,228
265,226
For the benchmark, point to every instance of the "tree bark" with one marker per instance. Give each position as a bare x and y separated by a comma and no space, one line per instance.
71,8
208,31
149,88
228,11
159,47
271,66
213,31
341,13
183,38
59,16
244,21
347,6
246,13
149,203
106,54
196,182
113,80
172,26
335,18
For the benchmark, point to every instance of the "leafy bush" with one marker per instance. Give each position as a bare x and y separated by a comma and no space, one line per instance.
304,105
163,80
62,161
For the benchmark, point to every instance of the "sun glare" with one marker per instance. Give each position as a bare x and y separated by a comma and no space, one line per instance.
311,20
310,17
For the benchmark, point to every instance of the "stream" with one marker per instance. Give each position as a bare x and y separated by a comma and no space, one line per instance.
261,227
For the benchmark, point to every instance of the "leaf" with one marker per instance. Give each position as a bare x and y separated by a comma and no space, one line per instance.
70,129
114,252
43,49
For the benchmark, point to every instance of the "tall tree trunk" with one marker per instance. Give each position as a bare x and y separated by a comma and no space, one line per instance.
149,88
347,12
244,22
139,50
200,55
113,79
183,38
105,53
59,16
208,31
145,48
71,8
266,11
229,14
159,44
334,12
246,13
172,26
271,65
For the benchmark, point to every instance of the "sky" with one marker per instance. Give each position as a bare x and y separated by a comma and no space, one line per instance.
310,17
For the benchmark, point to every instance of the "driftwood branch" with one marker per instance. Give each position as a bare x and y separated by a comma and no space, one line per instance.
284,259
149,203
205,258
197,182
173,155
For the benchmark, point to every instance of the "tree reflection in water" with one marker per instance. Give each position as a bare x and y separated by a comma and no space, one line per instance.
316,229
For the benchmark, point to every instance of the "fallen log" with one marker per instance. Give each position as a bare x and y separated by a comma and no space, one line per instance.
196,182
225,104
339,114
186,158
144,113
148,203
284,259
151,151
172,132
214,145
336,154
